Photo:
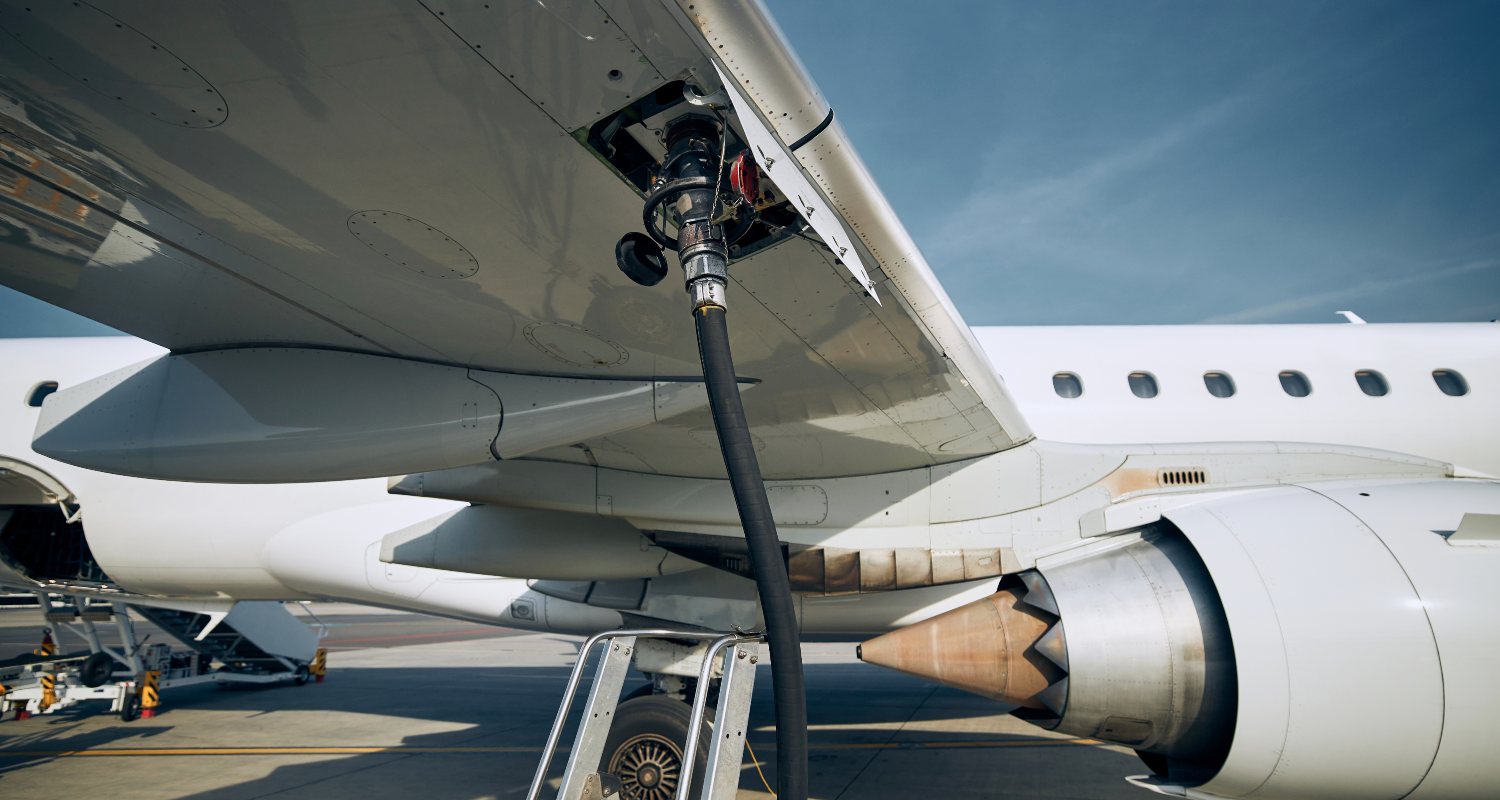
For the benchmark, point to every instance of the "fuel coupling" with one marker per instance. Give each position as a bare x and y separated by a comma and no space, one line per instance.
705,263
687,192
690,192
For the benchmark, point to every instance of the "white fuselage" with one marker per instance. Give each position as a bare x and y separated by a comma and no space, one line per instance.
1414,417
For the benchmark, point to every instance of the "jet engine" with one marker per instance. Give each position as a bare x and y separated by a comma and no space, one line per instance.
1276,643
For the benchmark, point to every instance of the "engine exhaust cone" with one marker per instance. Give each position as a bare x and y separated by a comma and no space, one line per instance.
985,647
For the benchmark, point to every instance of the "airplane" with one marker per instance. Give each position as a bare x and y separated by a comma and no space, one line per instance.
395,239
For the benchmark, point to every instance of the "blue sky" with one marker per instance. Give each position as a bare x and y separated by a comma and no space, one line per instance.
1135,162
1132,162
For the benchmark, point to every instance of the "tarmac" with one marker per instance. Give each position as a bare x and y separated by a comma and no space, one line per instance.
415,706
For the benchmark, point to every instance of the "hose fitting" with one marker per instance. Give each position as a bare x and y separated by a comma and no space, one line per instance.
705,263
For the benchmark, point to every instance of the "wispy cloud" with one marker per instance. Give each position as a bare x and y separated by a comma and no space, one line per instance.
1028,214
1331,299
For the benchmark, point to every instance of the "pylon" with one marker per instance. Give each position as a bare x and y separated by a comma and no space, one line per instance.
49,691
49,647
319,665
150,694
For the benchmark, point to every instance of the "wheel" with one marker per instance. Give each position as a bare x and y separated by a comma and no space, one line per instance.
97,669
644,748
130,709
302,675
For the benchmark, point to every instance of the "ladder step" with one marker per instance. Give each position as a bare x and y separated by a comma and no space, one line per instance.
734,655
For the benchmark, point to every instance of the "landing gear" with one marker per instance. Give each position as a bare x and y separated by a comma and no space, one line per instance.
644,751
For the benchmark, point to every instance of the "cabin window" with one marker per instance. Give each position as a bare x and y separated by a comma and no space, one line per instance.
1372,383
1452,383
1295,383
1219,384
1067,384
39,393
1143,384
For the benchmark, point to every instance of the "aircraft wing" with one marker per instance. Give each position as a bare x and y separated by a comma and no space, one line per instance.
445,182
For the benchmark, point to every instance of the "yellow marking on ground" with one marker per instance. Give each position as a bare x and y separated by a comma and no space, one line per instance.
113,752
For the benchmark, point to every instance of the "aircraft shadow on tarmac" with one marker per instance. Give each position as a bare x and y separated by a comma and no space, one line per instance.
477,731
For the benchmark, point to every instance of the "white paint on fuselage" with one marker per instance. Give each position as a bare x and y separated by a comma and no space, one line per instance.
1415,417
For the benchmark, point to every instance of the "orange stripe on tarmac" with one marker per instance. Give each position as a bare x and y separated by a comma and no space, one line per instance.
116,752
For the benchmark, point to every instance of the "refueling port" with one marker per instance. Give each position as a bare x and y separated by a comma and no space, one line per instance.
633,142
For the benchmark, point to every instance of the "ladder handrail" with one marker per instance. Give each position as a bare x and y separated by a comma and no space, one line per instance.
719,639
700,704
318,624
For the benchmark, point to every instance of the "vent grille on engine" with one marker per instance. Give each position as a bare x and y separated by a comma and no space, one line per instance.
1182,477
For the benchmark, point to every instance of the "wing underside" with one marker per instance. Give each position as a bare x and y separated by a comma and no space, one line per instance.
445,182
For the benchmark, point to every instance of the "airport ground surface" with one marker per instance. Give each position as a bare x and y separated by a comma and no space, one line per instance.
420,707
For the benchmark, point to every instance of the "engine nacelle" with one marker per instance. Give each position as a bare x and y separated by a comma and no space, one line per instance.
1274,643
1340,599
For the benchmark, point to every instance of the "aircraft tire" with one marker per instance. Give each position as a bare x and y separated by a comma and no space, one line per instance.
97,669
644,748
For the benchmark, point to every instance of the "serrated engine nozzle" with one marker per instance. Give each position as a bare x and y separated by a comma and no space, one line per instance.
1145,660
984,647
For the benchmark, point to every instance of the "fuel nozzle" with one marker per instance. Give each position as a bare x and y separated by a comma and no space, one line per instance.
687,191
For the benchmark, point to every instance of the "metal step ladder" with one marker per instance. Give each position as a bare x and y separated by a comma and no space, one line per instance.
731,658
242,643
79,613
223,643
48,684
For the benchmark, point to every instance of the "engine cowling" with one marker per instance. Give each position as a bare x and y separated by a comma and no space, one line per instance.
1274,643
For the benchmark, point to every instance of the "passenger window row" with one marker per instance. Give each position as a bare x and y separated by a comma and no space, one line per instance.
1294,383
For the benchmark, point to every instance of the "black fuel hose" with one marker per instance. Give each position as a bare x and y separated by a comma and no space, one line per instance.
766,559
